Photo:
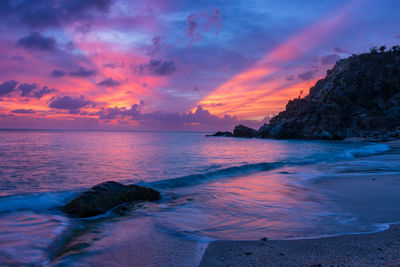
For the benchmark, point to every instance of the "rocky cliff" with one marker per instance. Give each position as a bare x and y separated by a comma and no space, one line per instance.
359,97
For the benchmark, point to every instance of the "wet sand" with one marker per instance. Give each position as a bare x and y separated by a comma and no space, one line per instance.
370,194
376,249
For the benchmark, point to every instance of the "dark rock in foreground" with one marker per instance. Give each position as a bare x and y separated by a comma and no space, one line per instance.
227,134
243,131
102,197
359,97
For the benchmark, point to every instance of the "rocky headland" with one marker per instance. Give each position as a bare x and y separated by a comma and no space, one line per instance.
359,97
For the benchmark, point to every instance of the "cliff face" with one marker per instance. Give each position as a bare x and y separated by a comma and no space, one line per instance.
360,96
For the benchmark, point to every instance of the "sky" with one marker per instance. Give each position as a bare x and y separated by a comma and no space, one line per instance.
174,65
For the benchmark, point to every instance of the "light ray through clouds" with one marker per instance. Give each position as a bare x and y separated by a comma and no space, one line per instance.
249,96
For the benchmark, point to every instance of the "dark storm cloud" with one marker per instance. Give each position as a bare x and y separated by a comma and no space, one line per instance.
50,13
58,73
156,68
73,105
37,41
7,87
82,72
23,111
329,59
109,82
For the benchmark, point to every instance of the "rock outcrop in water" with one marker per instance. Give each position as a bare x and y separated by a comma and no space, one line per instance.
359,97
226,134
102,197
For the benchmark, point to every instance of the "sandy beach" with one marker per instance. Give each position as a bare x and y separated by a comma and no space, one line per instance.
369,195
375,249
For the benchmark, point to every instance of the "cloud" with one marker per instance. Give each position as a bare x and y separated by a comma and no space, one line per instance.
201,22
17,58
340,50
306,76
36,41
112,113
82,72
26,89
156,68
329,59
114,65
290,78
44,91
201,118
23,111
73,105
155,50
109,82
51,13
7,87
32,90
58,73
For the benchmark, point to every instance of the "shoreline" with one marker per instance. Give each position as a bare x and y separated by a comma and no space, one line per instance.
370,249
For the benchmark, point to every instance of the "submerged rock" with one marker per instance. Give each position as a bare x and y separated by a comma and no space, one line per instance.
102,197
243,131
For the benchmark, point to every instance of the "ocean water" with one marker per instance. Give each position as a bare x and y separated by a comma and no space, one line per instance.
212,188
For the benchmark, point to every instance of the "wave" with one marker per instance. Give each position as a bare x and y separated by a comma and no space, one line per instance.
35,202
194,179
229,172
53,200
369,150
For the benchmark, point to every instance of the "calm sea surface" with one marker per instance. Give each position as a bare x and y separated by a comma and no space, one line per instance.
212,188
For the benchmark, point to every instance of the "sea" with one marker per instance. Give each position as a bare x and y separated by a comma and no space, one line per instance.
213,188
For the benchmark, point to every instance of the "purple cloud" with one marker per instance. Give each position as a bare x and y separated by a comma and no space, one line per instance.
112,113
329,59
58,73
17,58
44,91
73,105
30,90
82,72
201,118
26,89
113,65
201,22
156,68
109,83
23,111
36,41
7,87
308,75
51,13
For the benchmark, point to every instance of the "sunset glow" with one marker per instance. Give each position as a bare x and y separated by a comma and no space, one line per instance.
150,65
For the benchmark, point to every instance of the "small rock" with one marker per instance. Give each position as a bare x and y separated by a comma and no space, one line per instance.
102,197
